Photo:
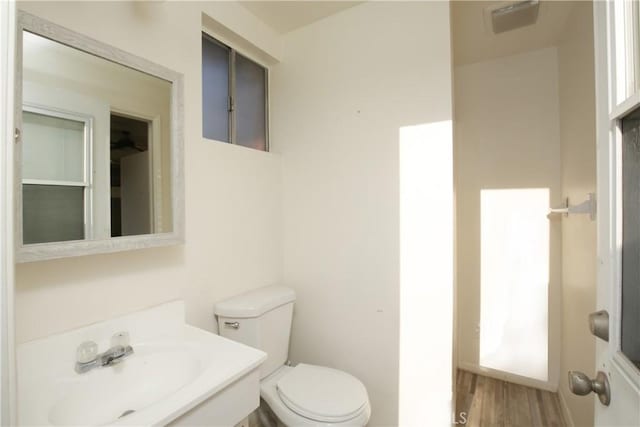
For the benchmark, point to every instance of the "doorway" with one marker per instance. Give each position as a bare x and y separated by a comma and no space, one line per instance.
524,125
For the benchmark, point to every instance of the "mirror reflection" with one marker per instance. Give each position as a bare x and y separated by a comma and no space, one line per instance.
96,147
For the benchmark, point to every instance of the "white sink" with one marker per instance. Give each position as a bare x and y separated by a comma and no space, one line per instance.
174,368
102,396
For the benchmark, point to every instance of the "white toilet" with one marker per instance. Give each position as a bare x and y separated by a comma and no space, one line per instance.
304,395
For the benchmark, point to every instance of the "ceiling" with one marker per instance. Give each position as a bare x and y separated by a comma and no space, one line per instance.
472,42
285,16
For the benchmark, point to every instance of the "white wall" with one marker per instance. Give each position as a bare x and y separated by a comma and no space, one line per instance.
507,135
577,131
233,202
346,86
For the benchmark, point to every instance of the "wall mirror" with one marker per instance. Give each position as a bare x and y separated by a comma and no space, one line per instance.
99,161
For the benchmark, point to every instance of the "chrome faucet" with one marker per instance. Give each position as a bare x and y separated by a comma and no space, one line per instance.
87,357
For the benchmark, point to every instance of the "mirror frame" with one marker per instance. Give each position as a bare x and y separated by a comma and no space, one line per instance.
54,250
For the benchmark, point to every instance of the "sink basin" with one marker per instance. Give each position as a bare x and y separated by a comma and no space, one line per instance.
102,396
174,368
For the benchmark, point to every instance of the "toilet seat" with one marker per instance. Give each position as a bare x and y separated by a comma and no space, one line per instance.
289,417
322,394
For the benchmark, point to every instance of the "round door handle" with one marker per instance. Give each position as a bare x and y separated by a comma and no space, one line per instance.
581,384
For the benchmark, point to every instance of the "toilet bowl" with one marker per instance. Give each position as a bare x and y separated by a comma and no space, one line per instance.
302,395
308,395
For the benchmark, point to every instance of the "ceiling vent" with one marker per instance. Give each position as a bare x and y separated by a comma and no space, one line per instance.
509,16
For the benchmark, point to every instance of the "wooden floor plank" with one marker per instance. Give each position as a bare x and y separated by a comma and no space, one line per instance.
472,382
488,402
519,400
536,419
554,413
510,407
463,394
500,403
475,409
544,419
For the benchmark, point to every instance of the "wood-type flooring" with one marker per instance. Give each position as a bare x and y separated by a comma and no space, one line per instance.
487,402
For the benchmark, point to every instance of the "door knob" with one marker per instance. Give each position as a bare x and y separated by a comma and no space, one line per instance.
582,385
599,324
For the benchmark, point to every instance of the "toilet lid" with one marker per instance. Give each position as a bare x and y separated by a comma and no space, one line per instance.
322,394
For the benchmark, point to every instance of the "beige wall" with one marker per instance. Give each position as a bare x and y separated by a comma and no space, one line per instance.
233,203
577,131
345,88
507,135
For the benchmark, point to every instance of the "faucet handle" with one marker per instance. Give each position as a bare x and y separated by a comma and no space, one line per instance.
120,339
87,352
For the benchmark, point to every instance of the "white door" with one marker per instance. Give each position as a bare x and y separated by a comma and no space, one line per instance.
617,44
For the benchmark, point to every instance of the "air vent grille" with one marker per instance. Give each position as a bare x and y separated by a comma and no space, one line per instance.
515,15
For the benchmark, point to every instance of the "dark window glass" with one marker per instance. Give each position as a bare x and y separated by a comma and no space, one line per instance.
250,104
52,213
630,322
215,90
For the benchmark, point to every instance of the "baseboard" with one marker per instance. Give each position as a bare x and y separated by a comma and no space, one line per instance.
504,376
566,413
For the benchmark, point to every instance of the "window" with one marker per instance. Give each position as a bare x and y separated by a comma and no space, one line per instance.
234,96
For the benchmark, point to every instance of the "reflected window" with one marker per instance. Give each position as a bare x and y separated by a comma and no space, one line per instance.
515,281
234,96
55,177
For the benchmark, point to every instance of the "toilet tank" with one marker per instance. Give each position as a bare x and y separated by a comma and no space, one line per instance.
261,319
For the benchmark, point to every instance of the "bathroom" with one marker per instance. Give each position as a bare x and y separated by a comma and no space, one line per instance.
369,201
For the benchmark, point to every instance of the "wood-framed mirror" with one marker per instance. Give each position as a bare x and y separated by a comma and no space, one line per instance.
99,160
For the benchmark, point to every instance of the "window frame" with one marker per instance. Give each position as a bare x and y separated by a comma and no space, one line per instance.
231,86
